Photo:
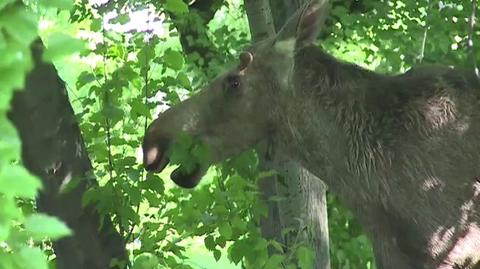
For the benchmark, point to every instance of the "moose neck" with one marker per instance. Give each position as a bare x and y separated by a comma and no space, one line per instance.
327,120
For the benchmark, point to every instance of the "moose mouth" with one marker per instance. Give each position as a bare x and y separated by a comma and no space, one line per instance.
183,177
187,179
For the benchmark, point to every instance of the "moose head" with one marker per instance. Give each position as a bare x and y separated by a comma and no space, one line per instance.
237,109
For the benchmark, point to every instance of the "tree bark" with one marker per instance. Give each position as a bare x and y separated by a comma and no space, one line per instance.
260,19
53,150
305,207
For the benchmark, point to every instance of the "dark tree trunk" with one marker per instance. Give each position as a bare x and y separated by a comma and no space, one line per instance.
53,150
305,207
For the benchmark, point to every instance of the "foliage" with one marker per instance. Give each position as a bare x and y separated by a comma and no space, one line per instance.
21,231
131,71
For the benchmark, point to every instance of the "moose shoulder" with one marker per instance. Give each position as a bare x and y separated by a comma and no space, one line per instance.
402,152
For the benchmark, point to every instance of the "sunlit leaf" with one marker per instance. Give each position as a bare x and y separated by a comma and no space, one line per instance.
145,261
225,230
209,242
19,23
173,59
41,226
61,4
15,180
61,45
33,258
306,257
176,6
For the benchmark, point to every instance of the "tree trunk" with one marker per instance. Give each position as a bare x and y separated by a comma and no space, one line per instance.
53,150
304,208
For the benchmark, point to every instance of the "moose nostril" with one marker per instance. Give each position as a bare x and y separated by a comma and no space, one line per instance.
151,156
154,149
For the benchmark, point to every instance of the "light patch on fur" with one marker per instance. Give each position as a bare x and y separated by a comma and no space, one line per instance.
191,122
65,181
432,183
466,210
476,189
465,250
440,111
440,241
462,126
152,155
286,46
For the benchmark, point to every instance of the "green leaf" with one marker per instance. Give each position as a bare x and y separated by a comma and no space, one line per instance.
146,261
261,244
20,23
96,25
152,182
127,213
173,59
8,210
41,226
184,80
221,241
201,153
278,247
225,230
61,4
239,224
33,258
236,251
209,242
121,19
179,153
15,180
9,142
113,113
61,45
153,198
268,173
217,254
139,108
305,257
84,78
4,230
90,196
274,262
176,6
4,3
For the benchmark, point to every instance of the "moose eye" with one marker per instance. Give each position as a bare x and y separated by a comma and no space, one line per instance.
233,81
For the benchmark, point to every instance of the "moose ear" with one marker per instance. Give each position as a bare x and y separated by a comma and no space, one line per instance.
303,27
245,58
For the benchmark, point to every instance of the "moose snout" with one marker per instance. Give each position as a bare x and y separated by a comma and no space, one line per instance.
155,159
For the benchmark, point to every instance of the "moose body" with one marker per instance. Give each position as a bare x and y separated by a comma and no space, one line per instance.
401,152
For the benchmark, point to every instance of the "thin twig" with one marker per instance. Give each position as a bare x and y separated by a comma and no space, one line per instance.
106,103
425,33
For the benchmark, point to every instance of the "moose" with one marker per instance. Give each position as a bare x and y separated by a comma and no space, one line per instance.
402,152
